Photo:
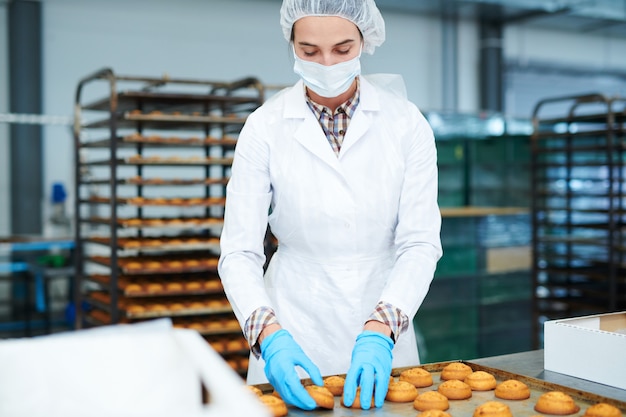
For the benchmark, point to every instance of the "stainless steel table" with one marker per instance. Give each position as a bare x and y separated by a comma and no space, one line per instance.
531,364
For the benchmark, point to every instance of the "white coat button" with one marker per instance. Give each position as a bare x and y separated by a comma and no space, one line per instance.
347,225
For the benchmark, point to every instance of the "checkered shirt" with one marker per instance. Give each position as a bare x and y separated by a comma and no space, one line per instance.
335,125
383,312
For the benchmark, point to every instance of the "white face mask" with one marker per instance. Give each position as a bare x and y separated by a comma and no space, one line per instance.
327,81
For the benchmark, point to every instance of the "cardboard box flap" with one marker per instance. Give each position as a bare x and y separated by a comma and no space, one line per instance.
124,370
610,323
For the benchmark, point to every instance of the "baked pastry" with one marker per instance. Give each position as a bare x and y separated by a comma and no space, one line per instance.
132,289
357,400
434,413
454,389
401,392
322,396
431,400
492,409
512,389
135,309
235,345
174,264
174,286
176,306
256,391
133,265
602,410
276,405
419,377
455,370
193,285
154,287
335,384
213,285
158,308
556,402
153,265
480,381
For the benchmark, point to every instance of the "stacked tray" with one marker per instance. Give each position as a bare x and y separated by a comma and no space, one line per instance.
464,408
153,160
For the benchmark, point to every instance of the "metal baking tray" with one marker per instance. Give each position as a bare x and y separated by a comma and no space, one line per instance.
128,100
464,408
162,223
131,141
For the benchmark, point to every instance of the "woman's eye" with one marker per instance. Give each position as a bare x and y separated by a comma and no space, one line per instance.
308,53
343,52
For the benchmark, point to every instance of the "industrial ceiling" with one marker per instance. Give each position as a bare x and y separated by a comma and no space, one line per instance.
599,17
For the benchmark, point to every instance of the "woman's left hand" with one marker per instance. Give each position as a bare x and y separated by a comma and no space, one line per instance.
370,369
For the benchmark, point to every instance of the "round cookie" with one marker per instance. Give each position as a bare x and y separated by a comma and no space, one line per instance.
455,370
512,389
419,377
602,410
480,381
322,396
434,413
357,400
335,384
401,392
556,402
454,389
277,406
431,400
492,409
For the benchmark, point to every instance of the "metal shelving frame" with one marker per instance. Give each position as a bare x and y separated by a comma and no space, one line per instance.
148,104
578,207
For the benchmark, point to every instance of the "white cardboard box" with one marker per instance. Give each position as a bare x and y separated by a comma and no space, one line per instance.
590,347
133,370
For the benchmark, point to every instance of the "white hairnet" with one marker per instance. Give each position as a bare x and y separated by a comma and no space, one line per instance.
363,13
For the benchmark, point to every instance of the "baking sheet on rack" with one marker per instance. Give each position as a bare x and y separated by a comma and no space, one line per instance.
464,408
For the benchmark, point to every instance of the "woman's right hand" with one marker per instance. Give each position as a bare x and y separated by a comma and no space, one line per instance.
282,354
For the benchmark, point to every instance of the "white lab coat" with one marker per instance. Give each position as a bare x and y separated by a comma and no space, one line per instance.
352,230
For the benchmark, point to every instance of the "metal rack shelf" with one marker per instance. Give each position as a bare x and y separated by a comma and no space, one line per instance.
578,187
149,202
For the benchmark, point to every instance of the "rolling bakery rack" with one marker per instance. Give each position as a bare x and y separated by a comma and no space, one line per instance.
153,157
578,207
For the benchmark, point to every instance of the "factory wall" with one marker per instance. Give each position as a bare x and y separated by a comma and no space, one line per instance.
226,40
4,128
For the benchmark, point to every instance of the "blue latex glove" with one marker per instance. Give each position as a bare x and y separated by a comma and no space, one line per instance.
281,355
370,368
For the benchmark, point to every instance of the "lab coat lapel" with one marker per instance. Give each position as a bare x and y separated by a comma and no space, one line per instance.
311,136
309,133
361,120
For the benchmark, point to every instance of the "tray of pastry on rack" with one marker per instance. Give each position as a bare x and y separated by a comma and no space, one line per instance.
210,325
160,265
179,141
229,344
175,201
139,180
152,307
163,243
179,116
163,222
175,160
163,285
160,201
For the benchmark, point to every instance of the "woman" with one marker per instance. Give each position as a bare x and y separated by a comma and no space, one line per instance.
347,172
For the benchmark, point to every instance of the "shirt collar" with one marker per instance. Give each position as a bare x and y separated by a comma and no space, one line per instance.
348,107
